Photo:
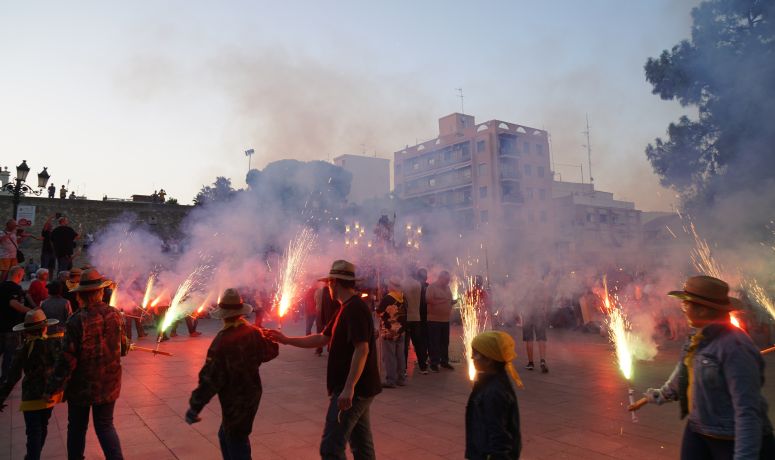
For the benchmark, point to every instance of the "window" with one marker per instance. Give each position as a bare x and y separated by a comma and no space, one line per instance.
603,218
432,182
541,194
480,145
398,169
431,161
590,217
529,192
540,149
482,169
484,216
526,147
467,196
528,170
466,172
540,171
543,216
482,192
415,165
447,155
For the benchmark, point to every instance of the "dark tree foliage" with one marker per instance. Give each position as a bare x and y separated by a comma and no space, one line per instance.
727,72
220,191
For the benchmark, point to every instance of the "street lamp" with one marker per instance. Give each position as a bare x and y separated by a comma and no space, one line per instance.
18,187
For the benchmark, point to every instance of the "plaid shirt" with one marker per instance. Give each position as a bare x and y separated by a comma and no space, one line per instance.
36,357
89,368
231,372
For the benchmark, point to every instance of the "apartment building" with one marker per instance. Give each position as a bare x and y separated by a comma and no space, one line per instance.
371,176
491,174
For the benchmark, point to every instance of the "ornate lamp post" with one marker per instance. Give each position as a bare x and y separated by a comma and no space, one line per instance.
18,186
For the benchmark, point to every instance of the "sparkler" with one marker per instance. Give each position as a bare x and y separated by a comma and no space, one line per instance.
298,251
469,316
147,296
134,347
701,255
761,297
177,309
618,334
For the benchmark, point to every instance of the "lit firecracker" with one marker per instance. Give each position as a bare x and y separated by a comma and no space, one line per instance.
757,293
299,249
618,334
147,295
735,320
201,308
469,317
177,309
114,297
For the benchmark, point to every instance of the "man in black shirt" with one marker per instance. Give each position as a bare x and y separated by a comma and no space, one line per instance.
63,238
353,373
12,312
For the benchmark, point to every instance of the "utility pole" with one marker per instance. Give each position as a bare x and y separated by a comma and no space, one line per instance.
249,153
460,95
589,153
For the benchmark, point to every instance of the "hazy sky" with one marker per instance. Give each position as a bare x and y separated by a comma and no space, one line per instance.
126,97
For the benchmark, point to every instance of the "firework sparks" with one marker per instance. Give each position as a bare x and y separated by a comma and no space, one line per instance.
702,257
734,320
761,297
177,307
619,335
147,295
472,326
298,250
114,297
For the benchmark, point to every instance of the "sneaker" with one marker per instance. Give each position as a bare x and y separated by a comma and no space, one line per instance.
424,370
195,334
544,369
530,366
434,368
447,366
388,385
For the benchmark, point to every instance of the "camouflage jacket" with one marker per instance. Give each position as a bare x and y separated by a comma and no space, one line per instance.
89,368
36,358
231,372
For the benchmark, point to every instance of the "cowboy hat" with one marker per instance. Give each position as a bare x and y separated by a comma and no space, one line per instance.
91,280
341,270
231,305
34,319
708,291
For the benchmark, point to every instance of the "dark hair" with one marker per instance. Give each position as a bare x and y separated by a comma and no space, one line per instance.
55,288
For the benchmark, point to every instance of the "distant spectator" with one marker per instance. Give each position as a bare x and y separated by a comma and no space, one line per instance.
63,239
162,196
30,268
8,248
57,307
52,190
48,258
63,192
72,196
37,290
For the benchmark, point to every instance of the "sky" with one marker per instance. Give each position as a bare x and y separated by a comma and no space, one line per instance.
122,98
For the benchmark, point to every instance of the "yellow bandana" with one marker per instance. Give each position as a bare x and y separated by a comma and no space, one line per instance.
689,363
498,346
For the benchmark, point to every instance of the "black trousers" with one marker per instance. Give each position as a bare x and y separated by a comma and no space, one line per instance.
438,342
417,332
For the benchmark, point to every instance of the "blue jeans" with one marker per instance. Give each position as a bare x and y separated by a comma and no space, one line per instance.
438,342
36,424
9,342
78,423
234,448
350,426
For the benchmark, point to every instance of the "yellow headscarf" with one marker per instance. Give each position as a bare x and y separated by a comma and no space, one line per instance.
498,346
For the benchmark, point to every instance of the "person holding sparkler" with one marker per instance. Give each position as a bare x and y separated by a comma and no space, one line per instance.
89,368
231,371
492,412
353,372
718,380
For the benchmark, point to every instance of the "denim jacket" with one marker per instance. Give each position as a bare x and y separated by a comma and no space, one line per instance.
726,393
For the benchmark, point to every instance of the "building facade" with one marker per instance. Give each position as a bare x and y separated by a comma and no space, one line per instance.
371,176
492,174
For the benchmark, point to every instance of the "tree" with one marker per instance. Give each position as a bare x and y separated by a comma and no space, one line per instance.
220,191
727,72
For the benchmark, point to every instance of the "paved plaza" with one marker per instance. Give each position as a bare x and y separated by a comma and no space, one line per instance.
577,411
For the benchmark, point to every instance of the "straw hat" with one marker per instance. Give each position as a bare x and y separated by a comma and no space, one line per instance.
34,319
91,280
341,270
708,291
231,305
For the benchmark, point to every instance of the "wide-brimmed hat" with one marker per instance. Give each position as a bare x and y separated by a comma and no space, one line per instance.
91,280
341,270
708,291
231,305
75,272
34,319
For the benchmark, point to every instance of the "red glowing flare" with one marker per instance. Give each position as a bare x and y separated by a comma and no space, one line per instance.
734,320
364,295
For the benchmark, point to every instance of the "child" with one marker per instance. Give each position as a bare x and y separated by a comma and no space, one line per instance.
492,413
36,357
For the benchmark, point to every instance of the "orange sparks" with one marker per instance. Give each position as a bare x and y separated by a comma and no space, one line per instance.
147,296
734,320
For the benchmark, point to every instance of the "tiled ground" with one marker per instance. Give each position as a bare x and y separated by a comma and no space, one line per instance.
577,411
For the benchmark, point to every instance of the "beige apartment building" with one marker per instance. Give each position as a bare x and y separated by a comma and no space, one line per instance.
371,176
491,175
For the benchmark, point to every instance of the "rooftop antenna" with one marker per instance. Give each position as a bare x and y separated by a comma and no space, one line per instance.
460,95
249,153
589,153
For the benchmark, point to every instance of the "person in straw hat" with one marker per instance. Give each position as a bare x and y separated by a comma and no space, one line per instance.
352,376
392,314
718,380
492,412
35,358
231,371
89,368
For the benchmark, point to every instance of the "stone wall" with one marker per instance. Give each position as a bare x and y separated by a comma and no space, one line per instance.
92,216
